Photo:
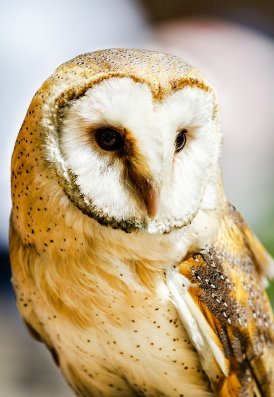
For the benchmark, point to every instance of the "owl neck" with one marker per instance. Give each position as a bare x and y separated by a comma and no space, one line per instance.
158,250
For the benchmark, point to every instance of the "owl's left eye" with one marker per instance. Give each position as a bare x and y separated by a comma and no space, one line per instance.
109,139
180,140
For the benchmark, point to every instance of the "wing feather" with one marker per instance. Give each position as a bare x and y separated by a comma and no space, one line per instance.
220,292
263,262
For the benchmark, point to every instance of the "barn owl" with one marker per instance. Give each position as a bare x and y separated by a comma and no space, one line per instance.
128,262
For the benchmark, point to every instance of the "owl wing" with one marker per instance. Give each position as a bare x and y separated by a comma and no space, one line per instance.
26,298
220,298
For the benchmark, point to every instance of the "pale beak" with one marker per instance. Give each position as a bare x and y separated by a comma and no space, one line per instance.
151,200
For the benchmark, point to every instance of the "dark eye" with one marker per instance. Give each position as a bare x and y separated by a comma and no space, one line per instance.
109,139
180,140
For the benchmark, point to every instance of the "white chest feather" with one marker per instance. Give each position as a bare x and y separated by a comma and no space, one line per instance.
137,344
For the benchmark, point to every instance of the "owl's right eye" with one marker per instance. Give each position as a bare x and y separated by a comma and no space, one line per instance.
109,139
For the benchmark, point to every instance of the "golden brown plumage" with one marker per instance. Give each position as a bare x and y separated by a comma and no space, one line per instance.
227,288
98,297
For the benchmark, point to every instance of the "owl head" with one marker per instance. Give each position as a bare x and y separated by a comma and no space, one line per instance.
133,138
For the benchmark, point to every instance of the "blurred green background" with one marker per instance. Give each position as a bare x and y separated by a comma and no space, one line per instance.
266,232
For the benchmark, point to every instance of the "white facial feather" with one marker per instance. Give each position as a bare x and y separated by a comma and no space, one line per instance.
182,177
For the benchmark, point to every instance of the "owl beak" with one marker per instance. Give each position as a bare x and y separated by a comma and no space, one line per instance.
151,200
147,193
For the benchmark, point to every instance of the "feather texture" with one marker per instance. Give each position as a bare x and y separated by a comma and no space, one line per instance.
223,292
